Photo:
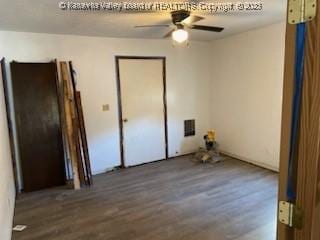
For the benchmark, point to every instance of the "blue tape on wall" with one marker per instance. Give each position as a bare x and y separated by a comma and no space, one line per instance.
298,85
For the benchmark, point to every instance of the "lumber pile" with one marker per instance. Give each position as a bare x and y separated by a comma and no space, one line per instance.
74,128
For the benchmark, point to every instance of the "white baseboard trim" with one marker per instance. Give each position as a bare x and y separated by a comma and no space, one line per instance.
259,164
104,171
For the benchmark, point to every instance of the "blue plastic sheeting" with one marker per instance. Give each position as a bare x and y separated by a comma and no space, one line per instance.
298,85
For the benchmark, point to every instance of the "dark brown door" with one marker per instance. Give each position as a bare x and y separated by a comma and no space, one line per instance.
35,95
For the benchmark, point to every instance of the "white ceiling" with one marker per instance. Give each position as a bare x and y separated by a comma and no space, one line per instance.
45,16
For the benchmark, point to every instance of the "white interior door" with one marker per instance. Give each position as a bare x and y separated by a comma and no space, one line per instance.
141,83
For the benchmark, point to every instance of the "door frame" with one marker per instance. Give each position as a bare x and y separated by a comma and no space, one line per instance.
307,165
117,59
9,123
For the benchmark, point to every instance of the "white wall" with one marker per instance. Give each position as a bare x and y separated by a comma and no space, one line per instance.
247,77
188,84
7,189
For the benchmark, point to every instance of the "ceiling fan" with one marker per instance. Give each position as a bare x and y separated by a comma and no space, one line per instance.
181,20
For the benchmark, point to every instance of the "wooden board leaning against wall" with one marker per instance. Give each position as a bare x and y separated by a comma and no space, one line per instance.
75,128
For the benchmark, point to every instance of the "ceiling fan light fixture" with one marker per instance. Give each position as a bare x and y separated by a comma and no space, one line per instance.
180,35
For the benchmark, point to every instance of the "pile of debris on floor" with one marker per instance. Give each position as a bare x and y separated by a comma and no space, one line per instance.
211,153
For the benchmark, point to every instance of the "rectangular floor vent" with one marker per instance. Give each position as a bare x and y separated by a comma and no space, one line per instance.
189,128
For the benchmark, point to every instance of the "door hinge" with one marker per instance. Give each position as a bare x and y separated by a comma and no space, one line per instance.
290,215
300,11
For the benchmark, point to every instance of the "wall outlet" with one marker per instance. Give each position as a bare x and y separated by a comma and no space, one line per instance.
105,107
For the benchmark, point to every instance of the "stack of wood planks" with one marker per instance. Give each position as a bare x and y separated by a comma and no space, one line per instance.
74,128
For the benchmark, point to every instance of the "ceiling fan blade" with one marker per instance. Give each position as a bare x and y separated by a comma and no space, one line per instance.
192,19
206,28
169,33
146,26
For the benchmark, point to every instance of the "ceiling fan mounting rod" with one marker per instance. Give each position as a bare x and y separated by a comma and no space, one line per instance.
179,16
179,26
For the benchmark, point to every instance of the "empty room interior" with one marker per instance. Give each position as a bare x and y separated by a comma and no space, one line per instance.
140,120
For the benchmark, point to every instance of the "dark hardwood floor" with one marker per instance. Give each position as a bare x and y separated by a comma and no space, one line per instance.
174,199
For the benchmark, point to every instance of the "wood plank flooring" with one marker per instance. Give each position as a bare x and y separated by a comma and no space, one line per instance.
173,199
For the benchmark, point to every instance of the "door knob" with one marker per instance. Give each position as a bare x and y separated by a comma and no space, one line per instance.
125,120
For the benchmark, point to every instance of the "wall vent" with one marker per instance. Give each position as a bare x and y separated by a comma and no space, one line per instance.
189,128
